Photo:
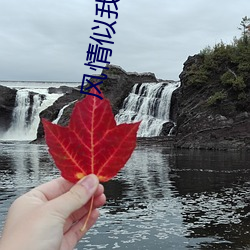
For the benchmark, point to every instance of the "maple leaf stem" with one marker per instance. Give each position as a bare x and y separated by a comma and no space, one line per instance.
84,228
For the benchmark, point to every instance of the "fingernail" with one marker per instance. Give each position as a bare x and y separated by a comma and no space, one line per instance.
89,182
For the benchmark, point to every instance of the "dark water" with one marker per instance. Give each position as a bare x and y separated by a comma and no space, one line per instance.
161,200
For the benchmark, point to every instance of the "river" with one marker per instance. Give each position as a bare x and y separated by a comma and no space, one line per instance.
162,199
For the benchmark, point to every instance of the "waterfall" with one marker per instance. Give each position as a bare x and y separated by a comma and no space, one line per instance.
149,103
25,117
61,112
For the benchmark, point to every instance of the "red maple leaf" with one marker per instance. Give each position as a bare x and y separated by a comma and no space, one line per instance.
92,143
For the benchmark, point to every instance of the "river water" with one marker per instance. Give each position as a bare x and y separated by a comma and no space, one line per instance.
162,199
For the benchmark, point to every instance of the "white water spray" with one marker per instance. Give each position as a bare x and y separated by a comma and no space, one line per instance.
61,112
149,103
25,117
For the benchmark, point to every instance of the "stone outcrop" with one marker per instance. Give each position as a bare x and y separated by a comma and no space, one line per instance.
7,104
116,88
224,126
60,90
167,128
119,84
51,113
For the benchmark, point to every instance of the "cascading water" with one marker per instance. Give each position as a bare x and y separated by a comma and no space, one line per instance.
20,112
25,117
149,103
61,112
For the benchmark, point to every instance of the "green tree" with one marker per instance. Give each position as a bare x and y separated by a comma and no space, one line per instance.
245,28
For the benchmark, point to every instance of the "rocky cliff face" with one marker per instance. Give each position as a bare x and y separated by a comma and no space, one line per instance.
7,104
119,83
205,118
52,112
116,88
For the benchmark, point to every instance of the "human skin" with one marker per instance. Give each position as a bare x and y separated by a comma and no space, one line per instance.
50,216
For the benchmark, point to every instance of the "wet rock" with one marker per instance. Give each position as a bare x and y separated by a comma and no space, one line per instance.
119,84
166,128
242,116
116,88
7,105
224,126
52,112
60,90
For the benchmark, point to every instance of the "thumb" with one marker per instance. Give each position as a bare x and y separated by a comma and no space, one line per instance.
76,197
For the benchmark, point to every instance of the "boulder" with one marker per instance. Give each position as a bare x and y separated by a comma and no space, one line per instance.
7,105
60,90
166,128
51,113
116,88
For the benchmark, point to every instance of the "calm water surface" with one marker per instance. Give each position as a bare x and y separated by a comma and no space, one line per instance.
161,200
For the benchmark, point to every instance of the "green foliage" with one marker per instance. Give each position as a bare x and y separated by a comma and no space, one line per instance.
206,51
228,78
210,65
216,98
222,53
244,67
239,84
226,67
245,23
232,80
242,96
197,75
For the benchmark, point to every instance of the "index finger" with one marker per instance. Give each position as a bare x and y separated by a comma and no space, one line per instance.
54,188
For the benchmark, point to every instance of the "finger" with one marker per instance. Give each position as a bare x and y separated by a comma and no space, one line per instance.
99,191
75,198
75,234
54,188
99,201
77,215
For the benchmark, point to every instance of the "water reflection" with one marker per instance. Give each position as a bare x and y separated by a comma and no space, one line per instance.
22,167
142,209
160,200
214,187
26,164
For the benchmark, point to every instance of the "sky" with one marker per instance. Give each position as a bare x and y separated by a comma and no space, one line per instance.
47,40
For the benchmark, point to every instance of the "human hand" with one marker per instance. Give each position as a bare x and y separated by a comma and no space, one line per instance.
50,216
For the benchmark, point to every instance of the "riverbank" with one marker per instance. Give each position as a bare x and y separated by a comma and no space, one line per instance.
204,119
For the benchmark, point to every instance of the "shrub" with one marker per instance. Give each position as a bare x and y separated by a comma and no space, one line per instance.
239,84
216,98
197,75
206,51
242,96
227,78
234,81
